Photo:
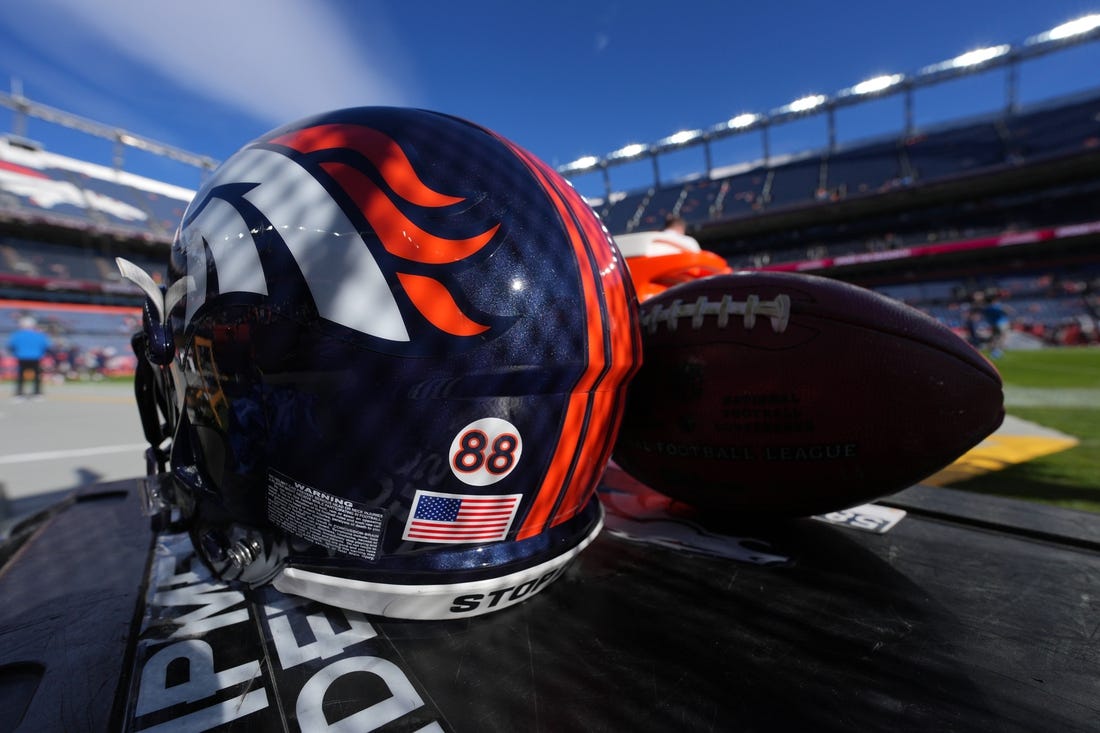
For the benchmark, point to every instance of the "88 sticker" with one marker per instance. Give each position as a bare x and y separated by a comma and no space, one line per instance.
485,451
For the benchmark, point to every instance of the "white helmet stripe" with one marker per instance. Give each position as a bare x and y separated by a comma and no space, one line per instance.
195,263
345,280
343,277
237,261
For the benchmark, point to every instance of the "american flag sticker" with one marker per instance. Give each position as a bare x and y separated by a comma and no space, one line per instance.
440,517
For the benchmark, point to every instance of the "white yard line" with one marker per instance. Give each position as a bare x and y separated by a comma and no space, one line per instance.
1051,397
53,455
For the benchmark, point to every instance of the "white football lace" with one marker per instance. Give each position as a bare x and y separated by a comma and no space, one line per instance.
778,311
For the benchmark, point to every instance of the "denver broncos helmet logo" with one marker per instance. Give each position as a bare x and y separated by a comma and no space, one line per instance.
324,187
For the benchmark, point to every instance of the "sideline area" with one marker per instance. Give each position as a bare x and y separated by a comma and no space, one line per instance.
86,432
1016,441
78,433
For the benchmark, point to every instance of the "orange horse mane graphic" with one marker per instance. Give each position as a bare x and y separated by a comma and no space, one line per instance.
400,236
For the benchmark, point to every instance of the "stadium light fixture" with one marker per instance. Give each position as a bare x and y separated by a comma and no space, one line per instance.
681,137
629,151
583,164
979,56
804,104
877,84
1078,27
742,121
967,60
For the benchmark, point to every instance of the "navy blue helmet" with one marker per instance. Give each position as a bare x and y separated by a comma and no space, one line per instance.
390,354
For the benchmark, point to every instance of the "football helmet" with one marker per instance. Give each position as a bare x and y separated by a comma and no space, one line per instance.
387,366
659,260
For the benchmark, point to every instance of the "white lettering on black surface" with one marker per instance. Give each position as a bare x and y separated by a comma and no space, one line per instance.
229,657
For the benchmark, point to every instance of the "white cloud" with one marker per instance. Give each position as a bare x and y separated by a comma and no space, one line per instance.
276,60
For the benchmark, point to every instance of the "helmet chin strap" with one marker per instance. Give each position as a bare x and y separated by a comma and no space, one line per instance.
150,407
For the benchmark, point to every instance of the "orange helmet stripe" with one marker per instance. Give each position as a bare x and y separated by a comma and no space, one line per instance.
613,353
625,357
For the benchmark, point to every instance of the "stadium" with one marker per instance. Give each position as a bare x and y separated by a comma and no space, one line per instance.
934,216
927,215
946,218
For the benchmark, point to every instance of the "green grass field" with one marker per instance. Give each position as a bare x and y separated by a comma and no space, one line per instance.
1060,389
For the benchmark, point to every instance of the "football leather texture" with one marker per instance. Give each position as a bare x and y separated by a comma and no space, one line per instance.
791,394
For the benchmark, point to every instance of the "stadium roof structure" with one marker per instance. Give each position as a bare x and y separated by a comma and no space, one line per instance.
1085,29
39,187
24,107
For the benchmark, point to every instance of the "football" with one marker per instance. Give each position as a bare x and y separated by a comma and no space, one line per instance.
790,394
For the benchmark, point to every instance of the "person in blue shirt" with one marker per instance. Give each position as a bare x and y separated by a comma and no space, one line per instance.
28,345
997,315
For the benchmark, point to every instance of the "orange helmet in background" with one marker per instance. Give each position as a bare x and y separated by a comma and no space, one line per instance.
657,260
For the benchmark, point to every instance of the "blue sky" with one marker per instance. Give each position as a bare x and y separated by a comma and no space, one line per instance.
563,79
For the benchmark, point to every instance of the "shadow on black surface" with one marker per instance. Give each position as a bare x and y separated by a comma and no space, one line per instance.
27,505
637,639
18,683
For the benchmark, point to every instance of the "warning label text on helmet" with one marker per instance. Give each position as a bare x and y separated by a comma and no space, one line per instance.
333,522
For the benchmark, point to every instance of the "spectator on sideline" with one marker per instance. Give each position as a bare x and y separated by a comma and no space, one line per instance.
673,239
676,224
996,315
974,327
28,345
